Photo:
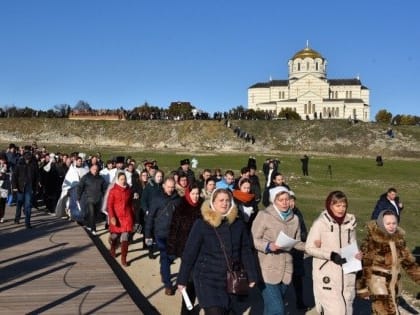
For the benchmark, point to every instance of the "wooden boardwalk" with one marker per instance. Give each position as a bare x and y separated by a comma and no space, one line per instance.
58,268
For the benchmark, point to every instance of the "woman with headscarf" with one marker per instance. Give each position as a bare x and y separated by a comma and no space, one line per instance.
204,257
276,260
182,221
334,229
384,254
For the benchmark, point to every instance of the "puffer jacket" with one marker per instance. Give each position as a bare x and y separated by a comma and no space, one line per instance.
276,267
334,291
383,257
120,207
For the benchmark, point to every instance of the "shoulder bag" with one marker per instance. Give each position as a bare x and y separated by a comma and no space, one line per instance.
237,278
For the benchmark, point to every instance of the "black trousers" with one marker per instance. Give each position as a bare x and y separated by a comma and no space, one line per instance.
93,209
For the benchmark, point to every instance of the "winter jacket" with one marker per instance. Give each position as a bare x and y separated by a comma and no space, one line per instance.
92,188
383,257
182,221
384,204
150,192
159,217
334,291
276,266
203,255
120,207
25,174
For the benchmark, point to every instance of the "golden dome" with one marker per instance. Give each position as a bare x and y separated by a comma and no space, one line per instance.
307,53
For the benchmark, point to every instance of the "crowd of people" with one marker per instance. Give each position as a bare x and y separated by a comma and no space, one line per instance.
215,221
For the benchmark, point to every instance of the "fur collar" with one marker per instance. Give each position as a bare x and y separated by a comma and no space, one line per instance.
214,218
380,236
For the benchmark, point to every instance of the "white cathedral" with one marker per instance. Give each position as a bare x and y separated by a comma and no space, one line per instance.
309,93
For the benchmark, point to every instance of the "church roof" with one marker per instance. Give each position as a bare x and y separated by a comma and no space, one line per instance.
307,53
344,82
270,84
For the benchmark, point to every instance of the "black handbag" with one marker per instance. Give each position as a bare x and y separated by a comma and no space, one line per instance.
236,277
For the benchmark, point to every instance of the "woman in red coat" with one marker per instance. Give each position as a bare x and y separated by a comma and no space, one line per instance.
121,215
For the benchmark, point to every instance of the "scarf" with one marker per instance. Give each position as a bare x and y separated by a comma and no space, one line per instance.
188,198
337,219
283,214
242,196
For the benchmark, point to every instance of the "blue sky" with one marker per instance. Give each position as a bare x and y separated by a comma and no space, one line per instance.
125,53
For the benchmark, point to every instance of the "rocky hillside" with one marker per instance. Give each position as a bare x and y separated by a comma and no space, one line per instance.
321,137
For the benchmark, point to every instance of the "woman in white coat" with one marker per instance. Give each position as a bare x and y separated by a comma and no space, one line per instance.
334,229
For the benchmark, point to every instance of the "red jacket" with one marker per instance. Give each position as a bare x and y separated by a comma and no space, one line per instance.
120,206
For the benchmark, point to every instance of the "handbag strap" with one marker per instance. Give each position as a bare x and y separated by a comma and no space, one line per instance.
222,246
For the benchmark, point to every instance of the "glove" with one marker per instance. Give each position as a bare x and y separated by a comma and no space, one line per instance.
336,258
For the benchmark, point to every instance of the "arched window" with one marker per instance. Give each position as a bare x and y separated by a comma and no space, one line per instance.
313,108
316,66
307,66
309,107
305,110
298,66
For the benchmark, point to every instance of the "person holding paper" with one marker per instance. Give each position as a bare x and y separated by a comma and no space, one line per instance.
335,228
384,254
272,229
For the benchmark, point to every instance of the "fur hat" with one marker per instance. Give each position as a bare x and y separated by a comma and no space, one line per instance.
277,190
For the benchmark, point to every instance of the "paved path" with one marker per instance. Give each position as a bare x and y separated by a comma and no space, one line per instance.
55,268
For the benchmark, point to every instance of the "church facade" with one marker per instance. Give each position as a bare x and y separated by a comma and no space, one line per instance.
310,93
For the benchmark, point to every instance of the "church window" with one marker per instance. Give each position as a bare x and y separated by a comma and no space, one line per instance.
307,66
316,66
336,94
309,107
306,108
337,112
313,108
298,66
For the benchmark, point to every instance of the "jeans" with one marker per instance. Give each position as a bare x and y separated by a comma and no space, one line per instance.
24,199
165,262
273,295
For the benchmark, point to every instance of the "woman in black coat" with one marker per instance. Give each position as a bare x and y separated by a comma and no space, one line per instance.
182,221
204,257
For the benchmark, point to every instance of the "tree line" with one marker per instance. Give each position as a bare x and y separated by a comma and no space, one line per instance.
180,111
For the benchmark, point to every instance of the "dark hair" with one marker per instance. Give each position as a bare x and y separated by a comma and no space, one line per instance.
391,189
209,180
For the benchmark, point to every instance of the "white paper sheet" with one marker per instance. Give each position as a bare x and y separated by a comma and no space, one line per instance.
353,264
285,242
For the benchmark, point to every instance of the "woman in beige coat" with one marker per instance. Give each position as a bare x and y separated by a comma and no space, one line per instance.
276,262
334,229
